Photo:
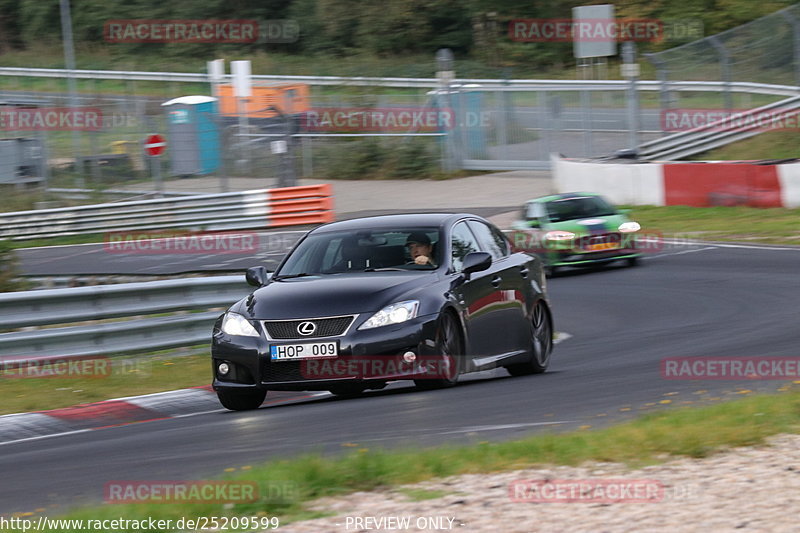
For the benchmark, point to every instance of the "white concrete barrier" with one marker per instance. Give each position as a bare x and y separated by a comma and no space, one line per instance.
622,183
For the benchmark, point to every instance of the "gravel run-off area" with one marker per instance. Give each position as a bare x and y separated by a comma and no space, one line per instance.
739,490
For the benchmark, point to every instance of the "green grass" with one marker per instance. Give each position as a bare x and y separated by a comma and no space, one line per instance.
767,145
743,224
692,432
128,376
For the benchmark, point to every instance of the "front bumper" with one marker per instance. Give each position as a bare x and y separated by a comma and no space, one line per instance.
578,257
252,368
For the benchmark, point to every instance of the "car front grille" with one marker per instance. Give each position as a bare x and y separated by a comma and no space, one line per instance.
325,327
279,371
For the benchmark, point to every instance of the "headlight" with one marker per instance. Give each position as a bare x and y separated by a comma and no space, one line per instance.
392,314
559,235
629,227
236,324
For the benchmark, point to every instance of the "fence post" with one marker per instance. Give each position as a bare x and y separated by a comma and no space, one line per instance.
586,122
725,69
629,60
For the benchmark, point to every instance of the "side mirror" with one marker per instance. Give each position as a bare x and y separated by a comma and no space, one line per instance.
256,276
476,262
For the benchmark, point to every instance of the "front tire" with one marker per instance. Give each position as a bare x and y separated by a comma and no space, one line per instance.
541,343
450,347
241,400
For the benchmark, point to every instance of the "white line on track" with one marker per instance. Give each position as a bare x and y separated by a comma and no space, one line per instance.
475,429
39,437
679,253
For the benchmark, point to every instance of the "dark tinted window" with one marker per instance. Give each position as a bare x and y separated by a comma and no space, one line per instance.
578,207
463,242
355,251
489,240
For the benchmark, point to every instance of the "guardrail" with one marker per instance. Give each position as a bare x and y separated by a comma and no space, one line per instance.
718,133
431,83
67,306
211,212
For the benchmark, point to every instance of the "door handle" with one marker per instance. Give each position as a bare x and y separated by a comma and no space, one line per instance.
496,281
524,272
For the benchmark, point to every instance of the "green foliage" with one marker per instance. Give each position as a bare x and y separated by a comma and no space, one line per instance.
375,159
342,28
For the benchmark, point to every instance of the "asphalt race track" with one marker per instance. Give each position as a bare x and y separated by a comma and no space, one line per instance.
699,300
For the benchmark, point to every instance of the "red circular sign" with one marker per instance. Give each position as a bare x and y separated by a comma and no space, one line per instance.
155,144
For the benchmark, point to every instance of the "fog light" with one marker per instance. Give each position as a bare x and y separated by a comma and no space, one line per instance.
409,357
223,369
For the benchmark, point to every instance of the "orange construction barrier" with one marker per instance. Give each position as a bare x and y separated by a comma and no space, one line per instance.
307,204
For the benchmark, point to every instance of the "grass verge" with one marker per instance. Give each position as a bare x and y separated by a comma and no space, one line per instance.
120,377
286,485
742,224
768,145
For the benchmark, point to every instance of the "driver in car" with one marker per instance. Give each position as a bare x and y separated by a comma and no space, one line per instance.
420,248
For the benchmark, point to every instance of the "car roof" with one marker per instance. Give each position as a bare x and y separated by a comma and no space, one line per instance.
389,221
562,196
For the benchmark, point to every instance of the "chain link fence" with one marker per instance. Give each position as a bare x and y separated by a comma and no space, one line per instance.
766,50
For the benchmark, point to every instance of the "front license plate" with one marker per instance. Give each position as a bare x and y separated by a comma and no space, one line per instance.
310,350
602,246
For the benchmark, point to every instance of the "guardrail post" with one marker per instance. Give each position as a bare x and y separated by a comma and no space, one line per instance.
725,69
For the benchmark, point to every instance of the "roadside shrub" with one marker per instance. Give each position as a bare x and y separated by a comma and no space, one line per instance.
377,159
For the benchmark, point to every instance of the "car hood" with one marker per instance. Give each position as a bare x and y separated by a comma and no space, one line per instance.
590,225
328,295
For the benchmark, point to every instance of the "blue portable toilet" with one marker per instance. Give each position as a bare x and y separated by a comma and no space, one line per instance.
194,140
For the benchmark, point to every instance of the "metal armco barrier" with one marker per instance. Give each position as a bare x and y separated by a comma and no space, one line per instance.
68,306
716,134
237,210
430,83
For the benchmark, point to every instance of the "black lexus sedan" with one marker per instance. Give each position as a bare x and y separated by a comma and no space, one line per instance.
358,303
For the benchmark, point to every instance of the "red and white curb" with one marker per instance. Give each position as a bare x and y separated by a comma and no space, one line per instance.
121,411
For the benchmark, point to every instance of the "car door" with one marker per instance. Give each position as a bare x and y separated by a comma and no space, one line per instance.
475,295
508,276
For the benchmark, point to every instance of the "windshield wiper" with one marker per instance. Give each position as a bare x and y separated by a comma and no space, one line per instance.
287,276
385,269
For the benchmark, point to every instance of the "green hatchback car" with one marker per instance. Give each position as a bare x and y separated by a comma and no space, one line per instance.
574,229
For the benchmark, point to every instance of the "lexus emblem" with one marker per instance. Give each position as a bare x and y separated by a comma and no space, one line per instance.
306,328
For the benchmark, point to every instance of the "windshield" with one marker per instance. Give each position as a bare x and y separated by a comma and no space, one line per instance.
578,207
336,252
